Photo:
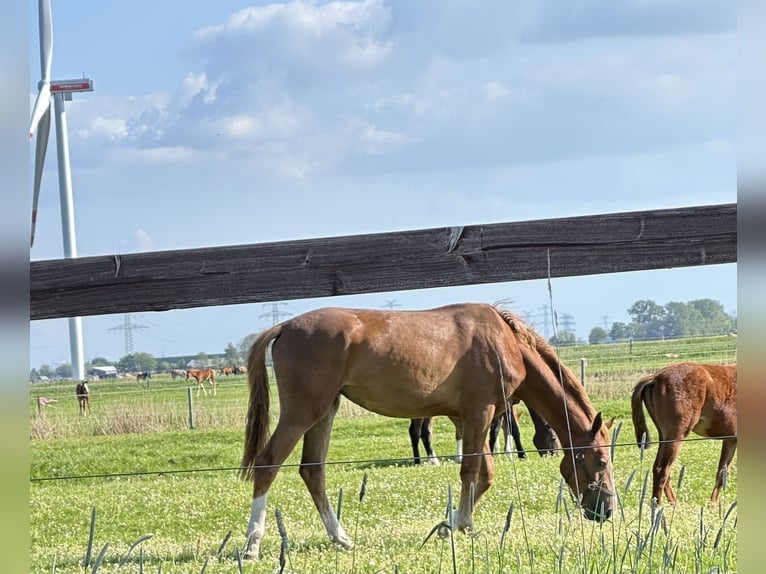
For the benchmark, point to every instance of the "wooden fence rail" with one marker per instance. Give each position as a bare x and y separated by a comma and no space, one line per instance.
438,257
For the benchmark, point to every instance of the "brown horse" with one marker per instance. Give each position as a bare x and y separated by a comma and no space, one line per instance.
682,398
462,361
202,375
228,370
82,393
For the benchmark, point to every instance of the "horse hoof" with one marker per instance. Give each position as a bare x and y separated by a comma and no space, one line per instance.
345,543
434,461
442,531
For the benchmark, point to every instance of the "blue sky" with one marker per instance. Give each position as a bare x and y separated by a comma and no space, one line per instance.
246,122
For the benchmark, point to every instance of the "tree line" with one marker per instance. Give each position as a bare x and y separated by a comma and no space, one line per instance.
674,320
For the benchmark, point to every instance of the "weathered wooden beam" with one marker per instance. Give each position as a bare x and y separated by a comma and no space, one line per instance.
419,259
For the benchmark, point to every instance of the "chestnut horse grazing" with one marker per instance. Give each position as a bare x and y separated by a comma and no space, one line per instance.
83,397
682,398
463,361
202,375
228,370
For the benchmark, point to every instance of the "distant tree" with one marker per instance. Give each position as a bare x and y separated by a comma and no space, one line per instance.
164,366
714,320
682,320
137,362
100,362
64,370
245,344
34,375
46,371
648,319
202,358
597,336
231,355
620,332
563,338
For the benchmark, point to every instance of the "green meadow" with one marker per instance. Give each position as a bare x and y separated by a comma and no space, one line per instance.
134,472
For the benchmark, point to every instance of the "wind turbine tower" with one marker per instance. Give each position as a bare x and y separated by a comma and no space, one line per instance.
41,121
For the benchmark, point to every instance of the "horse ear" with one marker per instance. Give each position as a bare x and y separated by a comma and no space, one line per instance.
610,423
597,422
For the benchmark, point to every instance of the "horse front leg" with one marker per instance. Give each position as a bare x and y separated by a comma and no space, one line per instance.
477,467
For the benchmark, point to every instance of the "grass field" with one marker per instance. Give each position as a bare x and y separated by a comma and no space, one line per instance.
135,461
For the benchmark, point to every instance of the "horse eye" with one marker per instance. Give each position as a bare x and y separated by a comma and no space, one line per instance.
580,456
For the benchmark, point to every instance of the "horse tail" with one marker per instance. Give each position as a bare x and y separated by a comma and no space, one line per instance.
257,424
637,410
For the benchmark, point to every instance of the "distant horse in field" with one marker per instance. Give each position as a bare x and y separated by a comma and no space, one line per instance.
227,371
82,393
144,376
202,375
682,398
462,361
175,373
544,439
240,370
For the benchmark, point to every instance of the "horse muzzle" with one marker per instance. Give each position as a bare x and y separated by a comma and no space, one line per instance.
598,504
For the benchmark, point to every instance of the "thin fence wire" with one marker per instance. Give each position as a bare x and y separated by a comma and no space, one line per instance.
364,461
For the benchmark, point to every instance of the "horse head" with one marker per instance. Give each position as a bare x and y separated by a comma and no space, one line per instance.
587,468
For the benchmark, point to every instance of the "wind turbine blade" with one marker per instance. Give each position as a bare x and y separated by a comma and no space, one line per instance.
46,39
41,107
40,149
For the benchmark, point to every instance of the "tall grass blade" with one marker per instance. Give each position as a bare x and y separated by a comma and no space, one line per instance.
91,535
628,482
99,558
223,544
132,547
362,492
681,474
506,529
615,434
284,547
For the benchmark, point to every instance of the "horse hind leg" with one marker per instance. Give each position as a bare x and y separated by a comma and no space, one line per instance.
265,468
666,455
316,443
728,448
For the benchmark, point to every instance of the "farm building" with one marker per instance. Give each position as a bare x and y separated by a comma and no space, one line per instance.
103,372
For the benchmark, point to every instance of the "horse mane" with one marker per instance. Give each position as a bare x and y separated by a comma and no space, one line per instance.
531,339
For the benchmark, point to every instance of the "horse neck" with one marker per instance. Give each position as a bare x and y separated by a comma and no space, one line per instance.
553,397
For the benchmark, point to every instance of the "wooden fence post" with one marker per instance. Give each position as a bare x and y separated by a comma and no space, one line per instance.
583,364
39,406
191,408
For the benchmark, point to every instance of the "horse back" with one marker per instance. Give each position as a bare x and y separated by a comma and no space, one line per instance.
703,395
410,364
